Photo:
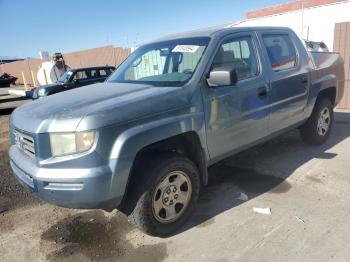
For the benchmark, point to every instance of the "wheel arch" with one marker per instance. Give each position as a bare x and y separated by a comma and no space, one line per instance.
325,86
183,135
330,93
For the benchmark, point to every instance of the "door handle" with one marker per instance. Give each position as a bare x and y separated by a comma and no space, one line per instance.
262,92
304,80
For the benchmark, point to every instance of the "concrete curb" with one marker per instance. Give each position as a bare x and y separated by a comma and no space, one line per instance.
19,92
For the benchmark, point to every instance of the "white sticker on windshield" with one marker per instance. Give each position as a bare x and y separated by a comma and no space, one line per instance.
185,48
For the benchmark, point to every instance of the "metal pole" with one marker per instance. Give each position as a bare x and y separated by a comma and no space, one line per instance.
45,76
29,69
33,78
24,81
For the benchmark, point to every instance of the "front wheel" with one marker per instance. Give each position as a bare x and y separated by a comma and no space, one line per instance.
317,128
169,198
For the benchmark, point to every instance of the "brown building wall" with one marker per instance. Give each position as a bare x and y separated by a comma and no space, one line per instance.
342,45
25,66
107,55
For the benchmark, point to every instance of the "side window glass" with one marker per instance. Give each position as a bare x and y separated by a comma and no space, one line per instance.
239,55
281,51
88,74
80,75
103,73
109,71
94,73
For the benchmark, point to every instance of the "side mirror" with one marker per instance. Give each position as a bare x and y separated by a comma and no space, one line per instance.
75,81
222,76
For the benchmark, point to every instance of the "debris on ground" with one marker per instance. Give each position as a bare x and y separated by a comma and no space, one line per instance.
242,197
300,220
3,209
265,211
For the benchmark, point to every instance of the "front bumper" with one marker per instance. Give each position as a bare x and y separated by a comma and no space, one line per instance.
66,186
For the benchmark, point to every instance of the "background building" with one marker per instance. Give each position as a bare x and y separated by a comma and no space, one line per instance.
313,20
9,59
100,56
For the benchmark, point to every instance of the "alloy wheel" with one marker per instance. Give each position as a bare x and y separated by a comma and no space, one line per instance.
171,197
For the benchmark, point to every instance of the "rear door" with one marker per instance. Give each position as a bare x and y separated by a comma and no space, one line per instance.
289,77
237,115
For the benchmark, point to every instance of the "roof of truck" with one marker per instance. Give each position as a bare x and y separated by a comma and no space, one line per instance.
211,31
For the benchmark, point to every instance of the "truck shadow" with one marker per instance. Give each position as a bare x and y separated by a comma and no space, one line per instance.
13,99
261,169
6,111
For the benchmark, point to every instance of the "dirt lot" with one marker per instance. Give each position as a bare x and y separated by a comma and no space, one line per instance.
307,189
11,101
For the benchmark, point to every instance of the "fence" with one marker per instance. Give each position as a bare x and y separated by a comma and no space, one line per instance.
107,55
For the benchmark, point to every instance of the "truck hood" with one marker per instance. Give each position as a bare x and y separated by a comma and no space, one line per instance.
95,106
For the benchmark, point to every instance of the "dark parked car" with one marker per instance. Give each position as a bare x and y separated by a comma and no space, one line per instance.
6,80
74,78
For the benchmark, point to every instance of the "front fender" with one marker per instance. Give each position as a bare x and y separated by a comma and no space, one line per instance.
132,140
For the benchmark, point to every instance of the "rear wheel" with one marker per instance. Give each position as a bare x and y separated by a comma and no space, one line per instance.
317,128
168,199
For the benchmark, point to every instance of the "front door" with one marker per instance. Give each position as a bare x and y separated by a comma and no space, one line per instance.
237,115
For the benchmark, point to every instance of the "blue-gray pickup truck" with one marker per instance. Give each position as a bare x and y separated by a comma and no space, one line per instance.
143,140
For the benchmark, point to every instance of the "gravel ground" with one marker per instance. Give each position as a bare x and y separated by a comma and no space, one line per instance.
12,194
307,189
8,101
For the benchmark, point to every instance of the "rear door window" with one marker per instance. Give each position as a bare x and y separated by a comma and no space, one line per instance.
281,51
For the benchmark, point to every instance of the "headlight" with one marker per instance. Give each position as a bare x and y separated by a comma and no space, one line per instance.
71,143
41,92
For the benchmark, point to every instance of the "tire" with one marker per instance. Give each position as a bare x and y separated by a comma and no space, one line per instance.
171,176
311,132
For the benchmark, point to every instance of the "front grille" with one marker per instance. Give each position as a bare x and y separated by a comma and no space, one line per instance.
25,143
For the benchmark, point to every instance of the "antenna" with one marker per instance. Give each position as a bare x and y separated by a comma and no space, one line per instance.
127,41
302,18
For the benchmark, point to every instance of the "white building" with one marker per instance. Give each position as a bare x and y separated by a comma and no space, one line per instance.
325,21
312,20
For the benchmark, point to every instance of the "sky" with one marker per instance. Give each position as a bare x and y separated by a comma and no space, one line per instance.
30,26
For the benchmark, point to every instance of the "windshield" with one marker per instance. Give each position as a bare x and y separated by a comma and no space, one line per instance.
65,77
170,62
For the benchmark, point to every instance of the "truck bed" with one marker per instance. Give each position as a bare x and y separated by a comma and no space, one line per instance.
329,64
